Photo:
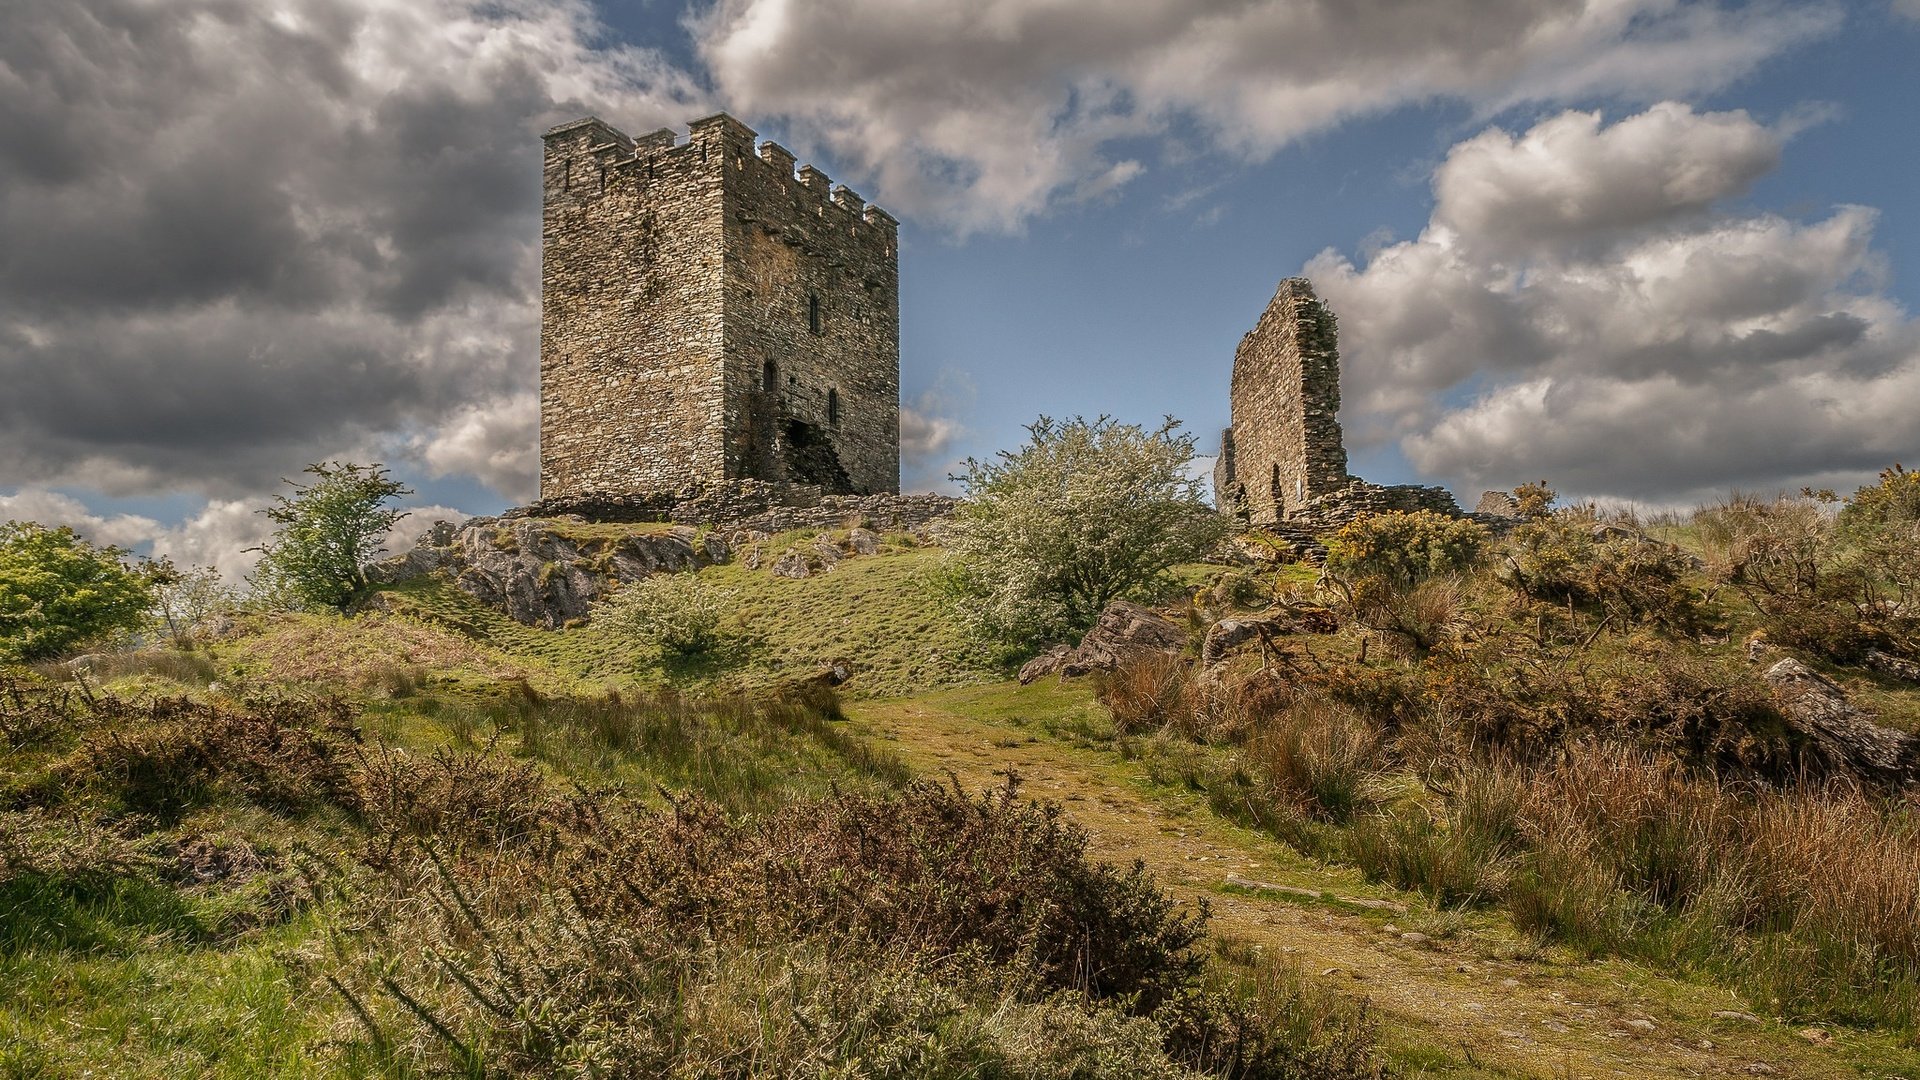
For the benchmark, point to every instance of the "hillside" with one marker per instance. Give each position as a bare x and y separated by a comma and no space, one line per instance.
1464,832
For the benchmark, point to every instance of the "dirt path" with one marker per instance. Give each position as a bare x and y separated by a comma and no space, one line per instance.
1465,986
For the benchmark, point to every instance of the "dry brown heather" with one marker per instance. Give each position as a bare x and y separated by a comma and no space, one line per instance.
708,314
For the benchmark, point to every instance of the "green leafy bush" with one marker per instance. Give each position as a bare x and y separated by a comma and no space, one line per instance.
1633,579
1085,513
676,612
58,591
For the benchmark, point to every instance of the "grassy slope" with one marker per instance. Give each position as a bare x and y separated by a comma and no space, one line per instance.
873,609
1477,1000
136,980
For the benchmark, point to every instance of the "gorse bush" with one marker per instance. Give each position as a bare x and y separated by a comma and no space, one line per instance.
927,932
1405,548
677,612
1571,558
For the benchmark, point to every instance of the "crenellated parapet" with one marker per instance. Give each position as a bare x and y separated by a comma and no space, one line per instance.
584,155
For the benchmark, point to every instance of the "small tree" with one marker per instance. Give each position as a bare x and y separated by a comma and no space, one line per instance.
57,591
184,601
1085,513
325,534
676,612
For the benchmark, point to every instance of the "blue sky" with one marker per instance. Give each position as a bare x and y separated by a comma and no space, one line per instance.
320,238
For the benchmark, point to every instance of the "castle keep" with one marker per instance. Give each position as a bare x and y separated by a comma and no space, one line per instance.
1282,461
708,315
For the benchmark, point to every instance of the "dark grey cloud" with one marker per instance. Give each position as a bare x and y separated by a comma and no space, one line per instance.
1584,306
238,237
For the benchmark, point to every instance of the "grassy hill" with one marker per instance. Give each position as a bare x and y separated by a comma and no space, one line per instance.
1479,827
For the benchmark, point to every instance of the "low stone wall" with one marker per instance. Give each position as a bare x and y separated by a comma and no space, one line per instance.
1336,508
752,505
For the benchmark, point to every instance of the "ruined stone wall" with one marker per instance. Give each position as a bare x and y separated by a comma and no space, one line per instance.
1360,498
1284,448
707,315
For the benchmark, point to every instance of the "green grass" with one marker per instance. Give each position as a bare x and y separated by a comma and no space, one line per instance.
139,973
167,1010
875,610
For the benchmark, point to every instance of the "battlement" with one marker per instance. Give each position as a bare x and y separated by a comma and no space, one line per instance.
713,141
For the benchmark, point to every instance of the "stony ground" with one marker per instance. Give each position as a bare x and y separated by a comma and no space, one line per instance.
1461,993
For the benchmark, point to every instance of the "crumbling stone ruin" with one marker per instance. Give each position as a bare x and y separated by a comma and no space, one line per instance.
1282,463
709,315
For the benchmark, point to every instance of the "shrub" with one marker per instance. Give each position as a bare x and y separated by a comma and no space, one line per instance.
676,612
1085,513
324,535
286,756
1630,579
58,591
1879,529
1405,548
1317,755
186,602
916,932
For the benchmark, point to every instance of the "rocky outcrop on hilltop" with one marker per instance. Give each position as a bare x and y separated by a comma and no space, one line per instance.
541,575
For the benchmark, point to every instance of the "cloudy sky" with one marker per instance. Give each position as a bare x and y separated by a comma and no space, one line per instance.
1644,249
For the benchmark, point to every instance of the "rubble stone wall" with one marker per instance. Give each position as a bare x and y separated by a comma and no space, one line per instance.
753,505
1284,448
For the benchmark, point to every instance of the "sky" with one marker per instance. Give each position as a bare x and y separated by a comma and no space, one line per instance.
1647,250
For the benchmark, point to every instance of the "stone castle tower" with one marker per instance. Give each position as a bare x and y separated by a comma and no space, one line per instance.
708,315
1283,448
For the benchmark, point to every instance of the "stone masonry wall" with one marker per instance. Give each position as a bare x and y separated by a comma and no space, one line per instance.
813,301
752,504
708,316
631,394
1284,449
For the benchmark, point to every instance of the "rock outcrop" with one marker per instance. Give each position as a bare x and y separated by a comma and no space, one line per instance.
538,574
1125,629
1842,735
1229,634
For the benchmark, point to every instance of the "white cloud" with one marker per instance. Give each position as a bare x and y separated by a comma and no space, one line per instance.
1567,178
217,536
220,536
1583,307
496,441
929,426
980,115
408,531
54,509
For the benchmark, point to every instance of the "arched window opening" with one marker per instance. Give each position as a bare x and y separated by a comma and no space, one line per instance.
1279,494
770,376
833,408
813,312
